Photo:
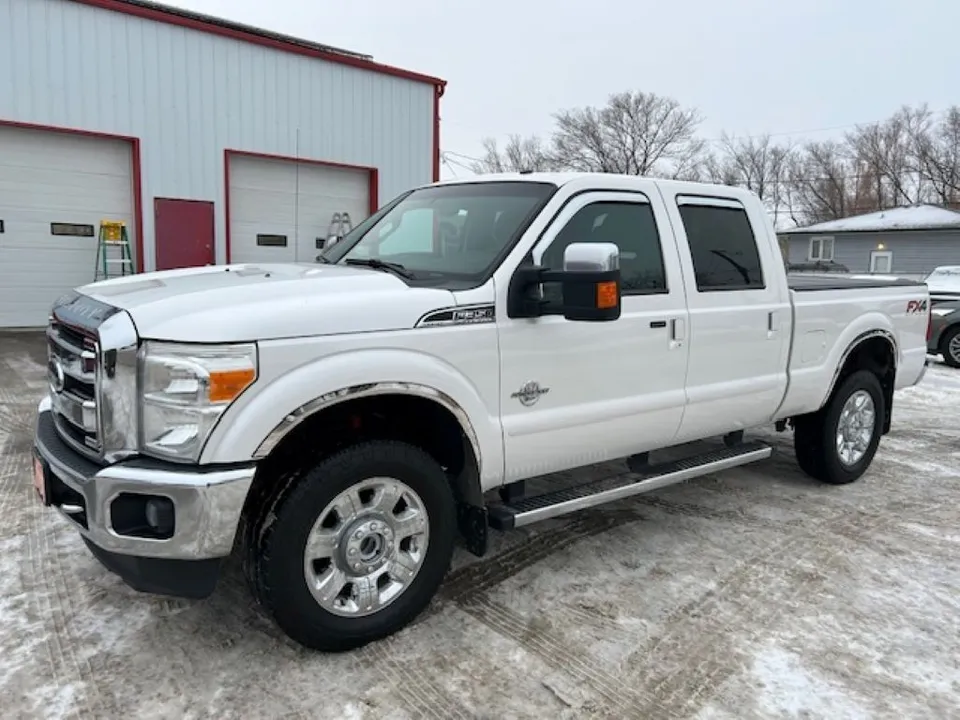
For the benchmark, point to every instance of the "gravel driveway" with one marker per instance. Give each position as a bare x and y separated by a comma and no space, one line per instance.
755,593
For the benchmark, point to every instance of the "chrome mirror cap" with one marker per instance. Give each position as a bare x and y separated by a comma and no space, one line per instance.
591,257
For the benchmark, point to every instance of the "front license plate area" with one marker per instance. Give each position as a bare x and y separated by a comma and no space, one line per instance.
40,481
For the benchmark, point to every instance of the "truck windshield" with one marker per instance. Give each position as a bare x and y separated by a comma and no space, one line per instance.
459,232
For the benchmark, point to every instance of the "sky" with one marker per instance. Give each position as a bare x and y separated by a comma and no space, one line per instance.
795,70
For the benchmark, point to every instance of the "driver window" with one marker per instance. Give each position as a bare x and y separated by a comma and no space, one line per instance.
632,227
413,234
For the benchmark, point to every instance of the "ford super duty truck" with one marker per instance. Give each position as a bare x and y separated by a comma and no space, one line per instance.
339,424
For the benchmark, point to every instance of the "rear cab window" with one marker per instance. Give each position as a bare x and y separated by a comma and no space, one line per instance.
723,245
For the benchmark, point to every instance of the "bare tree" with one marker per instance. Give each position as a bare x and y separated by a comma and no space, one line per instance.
939,158
636,133
822,184
755,163
519,154
889,152
905,159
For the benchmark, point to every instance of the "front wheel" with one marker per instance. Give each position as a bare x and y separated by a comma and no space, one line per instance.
836,444
358,547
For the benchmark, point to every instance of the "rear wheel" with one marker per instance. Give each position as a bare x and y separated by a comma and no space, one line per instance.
358,547
837,444
950,347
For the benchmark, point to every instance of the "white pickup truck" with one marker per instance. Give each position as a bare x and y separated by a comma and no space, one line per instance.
340,423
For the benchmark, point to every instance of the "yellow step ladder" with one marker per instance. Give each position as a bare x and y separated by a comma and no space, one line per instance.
114,258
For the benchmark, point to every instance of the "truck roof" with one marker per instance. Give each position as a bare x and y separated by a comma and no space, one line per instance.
611,180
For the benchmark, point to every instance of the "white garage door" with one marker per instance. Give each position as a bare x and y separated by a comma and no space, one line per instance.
55,187
278,208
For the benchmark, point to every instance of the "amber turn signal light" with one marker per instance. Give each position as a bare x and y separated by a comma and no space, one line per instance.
226,385
607,295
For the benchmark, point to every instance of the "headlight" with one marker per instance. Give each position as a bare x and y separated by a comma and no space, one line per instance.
940,312
185,389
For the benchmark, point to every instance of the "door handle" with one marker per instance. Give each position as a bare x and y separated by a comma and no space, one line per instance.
678,329
772,324
678,332
658,323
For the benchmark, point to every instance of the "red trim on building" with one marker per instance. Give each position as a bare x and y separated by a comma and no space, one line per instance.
171,17
437,94
373,191
135,174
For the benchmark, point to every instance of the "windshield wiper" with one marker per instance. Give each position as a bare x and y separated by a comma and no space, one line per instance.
376,264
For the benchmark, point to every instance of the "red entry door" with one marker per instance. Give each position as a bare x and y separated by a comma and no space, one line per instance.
184,230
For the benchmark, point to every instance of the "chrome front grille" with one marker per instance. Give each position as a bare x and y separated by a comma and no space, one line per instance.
72,375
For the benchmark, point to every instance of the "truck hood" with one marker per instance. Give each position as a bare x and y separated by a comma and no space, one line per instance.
234,303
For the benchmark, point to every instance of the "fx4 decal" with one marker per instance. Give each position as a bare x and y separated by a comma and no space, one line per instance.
916,306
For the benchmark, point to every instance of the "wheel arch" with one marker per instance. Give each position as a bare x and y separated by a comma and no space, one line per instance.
877,351
356,392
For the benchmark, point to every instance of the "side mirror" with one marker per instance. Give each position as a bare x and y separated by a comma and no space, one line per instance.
589,282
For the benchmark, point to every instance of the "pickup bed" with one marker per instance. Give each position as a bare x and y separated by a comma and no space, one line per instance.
340,423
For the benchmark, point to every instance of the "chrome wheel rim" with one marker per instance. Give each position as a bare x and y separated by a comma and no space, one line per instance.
366,547
855,428
953,347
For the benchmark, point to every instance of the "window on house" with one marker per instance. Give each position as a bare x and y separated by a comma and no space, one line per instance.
881,261
821,249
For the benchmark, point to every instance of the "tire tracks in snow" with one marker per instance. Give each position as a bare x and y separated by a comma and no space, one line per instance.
490,571
467,589
414,686
682,668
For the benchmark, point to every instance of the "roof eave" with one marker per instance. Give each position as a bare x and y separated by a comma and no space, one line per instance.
212,25
827,231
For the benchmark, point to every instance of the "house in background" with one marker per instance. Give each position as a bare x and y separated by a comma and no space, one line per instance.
909,241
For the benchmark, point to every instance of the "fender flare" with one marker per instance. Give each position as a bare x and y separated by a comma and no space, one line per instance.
327,400
260,419
857,342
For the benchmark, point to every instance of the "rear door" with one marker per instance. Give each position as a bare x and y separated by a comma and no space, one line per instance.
739,310
576,393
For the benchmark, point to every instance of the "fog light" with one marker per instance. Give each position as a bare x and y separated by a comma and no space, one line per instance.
143,516
159,514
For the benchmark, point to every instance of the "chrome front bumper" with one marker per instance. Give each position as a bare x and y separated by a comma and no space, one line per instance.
207,502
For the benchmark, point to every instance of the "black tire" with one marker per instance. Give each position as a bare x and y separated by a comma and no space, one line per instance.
950,358
277,558
815,435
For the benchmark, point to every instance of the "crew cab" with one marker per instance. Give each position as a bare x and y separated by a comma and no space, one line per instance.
339,423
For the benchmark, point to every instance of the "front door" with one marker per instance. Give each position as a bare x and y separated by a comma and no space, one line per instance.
577,393
184,230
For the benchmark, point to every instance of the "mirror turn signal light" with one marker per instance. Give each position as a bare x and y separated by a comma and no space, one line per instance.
608,294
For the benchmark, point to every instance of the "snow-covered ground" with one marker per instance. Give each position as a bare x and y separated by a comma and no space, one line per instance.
757,593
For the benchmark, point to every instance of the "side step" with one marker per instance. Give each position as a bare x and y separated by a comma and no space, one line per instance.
503,516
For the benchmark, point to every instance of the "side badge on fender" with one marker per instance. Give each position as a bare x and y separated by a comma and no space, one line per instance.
529,393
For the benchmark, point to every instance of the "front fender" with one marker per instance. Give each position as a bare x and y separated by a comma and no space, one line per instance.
263,414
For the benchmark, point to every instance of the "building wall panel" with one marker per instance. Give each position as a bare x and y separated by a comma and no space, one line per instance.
189,95
914,252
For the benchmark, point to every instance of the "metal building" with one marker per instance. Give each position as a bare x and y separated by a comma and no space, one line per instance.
212,141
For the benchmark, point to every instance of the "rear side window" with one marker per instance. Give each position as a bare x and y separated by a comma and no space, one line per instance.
723,247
